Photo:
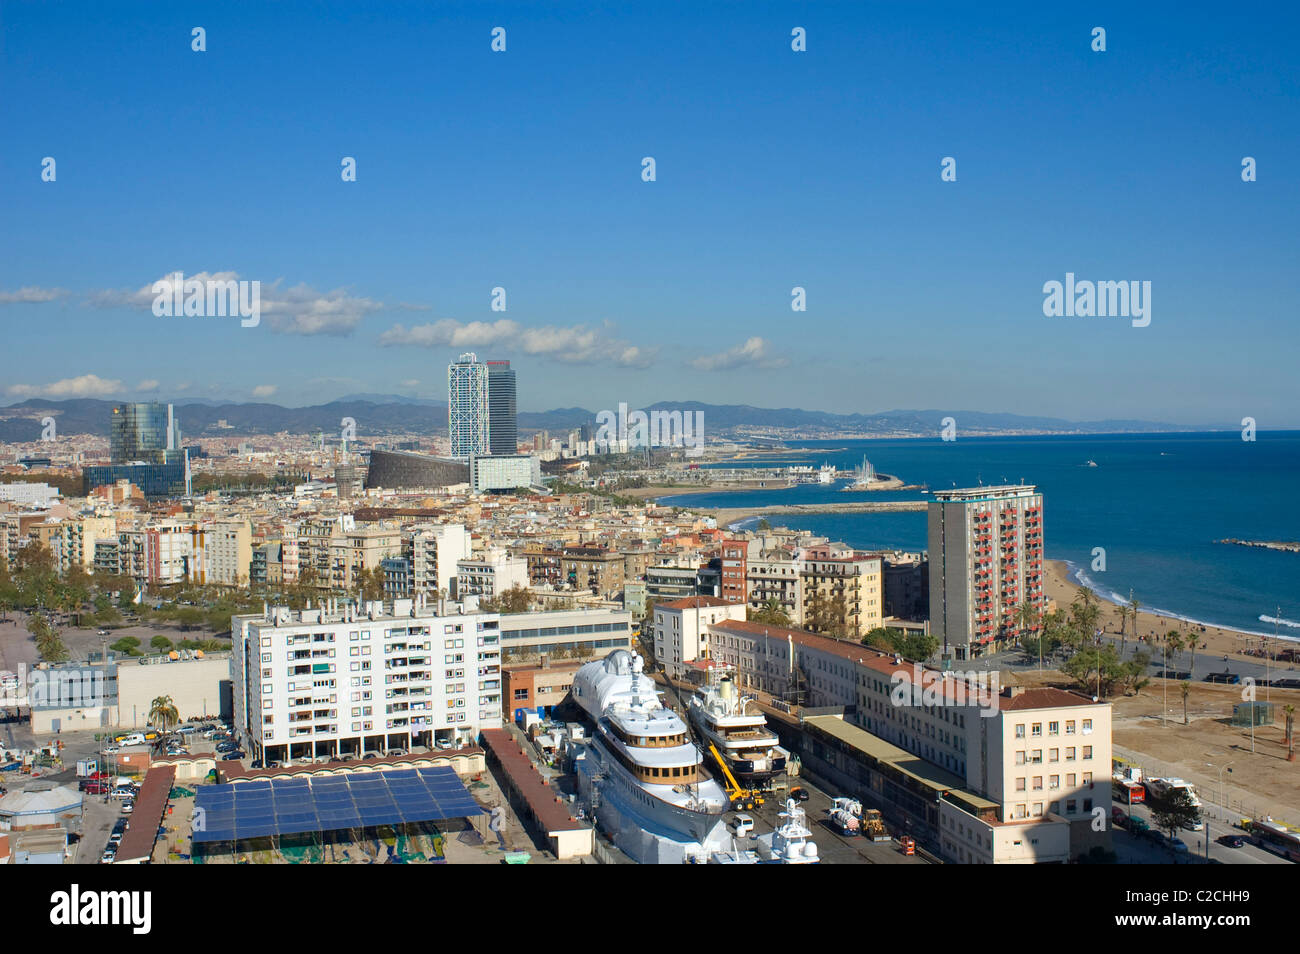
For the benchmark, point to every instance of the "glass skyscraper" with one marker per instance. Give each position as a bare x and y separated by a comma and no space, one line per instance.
144,432
503,435
467,406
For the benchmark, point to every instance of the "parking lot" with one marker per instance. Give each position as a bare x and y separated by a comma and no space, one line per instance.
833,847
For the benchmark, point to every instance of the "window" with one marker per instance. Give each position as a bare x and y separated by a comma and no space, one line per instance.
1053,755
1087,778
521,693
1069,779
1087,752
1054,781
1069,727
1036,730
266,657
1071,807
1087,726
1020,731
1069,755
1036,756
1020,785
1053,728
1038,809
1038,783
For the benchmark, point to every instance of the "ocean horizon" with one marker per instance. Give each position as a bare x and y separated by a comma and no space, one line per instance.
1152,508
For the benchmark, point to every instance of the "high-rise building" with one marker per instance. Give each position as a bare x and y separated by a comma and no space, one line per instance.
467,406
503,435
146,432
986,559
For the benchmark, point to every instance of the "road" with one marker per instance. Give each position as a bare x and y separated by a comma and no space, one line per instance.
831,846
1138,849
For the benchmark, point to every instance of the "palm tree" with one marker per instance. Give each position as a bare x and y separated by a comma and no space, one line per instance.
1289,709
1132,612
1187,691
163,711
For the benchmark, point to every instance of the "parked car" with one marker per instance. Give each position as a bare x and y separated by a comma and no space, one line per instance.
110,750
1117,817
799,794
108,857
1179,846
256,763
394,753
232,757
371,755
1232,841
742,825
128,807
115,839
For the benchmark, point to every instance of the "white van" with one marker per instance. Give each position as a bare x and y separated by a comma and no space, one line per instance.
135,738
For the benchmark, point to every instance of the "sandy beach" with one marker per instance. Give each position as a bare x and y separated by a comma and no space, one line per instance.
1211,639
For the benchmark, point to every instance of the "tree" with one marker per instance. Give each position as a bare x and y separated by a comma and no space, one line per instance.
517,599
163,712
127,645
772,613
1289,709
161,642
1100,670
1133,605
1172,810
1187,691
1027,617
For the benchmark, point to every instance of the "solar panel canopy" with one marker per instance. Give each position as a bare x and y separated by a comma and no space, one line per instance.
265,807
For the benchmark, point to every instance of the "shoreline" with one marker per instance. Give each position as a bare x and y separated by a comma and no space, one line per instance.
1062,584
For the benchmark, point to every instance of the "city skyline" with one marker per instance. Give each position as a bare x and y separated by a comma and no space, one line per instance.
530,198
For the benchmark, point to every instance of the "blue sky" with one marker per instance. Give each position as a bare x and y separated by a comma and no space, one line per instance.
522,169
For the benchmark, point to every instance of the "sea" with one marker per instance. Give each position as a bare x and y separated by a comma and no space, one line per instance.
1154,503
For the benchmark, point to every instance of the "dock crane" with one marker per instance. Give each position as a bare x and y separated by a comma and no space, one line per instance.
741,798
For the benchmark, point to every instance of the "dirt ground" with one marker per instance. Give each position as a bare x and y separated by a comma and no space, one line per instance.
1262,783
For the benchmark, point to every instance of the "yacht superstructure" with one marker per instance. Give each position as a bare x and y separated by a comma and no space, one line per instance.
641,773
719,713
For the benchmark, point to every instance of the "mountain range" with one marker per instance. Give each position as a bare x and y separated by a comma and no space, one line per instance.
389,414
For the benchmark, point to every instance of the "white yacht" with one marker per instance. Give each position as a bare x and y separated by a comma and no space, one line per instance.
641,773
750,749
789,844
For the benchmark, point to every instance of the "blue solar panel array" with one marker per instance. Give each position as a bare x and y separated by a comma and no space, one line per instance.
292,806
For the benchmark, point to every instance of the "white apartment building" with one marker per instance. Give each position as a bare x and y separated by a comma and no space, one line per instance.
774,575
353,679
37,496
681,630
1028,769
490,575
434,552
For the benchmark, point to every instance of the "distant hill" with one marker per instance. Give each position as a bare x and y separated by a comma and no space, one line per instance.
394,414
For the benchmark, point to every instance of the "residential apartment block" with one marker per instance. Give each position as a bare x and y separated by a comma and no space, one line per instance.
986,559
351,679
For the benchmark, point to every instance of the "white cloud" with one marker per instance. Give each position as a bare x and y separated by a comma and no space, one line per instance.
148,384
575,344
299,310
411,383
30,294
753,353
87,385
264,390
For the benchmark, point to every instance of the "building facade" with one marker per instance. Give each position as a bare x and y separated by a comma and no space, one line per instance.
503,433
986,559
467,406
354,679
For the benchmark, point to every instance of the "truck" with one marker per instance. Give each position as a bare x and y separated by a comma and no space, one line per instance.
844,822
1163,786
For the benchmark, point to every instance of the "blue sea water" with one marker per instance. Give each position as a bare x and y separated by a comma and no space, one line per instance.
1156,503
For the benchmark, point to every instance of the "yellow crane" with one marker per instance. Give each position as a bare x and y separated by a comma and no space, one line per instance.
741,798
